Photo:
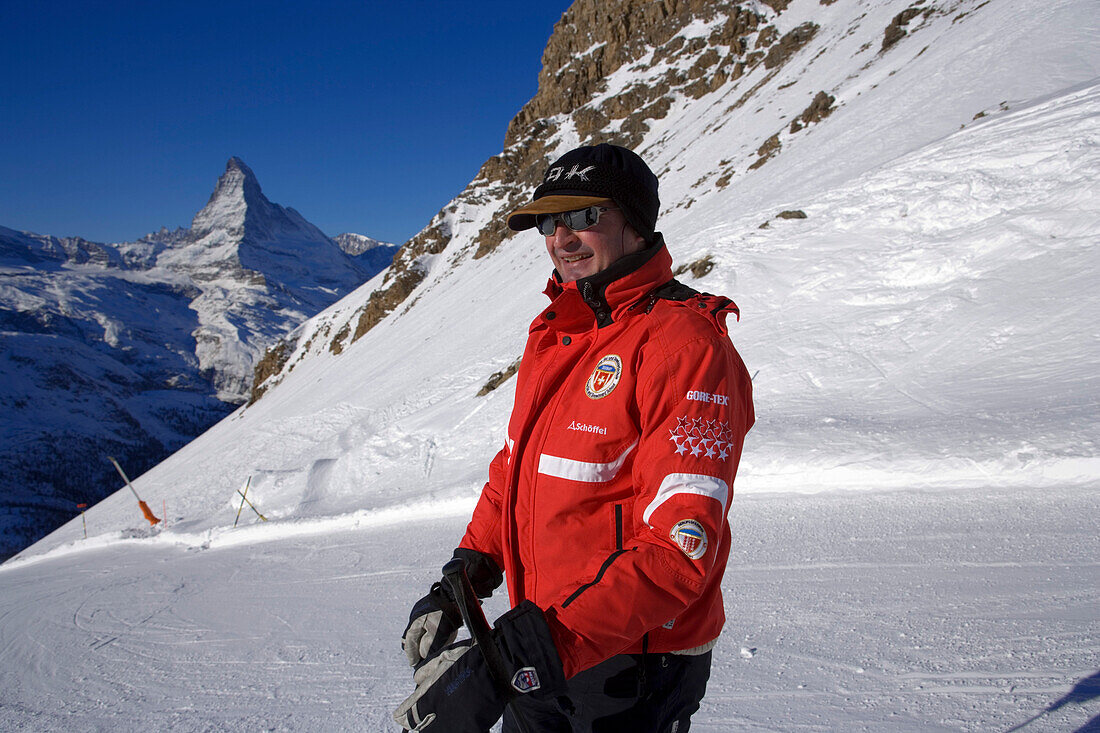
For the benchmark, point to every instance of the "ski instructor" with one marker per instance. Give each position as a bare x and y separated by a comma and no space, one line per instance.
606,509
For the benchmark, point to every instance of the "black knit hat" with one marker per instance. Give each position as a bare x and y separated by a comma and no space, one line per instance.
593,173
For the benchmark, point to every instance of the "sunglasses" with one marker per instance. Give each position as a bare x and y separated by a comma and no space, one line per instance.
577,221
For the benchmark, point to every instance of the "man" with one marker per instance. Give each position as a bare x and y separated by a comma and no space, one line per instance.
606,508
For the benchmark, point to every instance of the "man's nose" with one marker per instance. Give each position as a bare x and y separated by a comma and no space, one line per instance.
563,235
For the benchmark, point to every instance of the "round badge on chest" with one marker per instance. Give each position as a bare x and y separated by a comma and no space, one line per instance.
605,377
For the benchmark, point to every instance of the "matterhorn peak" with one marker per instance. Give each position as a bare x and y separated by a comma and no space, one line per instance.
236,192
235,163
255,257
238,177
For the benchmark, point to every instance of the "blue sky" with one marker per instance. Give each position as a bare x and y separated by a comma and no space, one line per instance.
116,118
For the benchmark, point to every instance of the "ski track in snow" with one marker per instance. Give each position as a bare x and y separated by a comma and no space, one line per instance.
866,611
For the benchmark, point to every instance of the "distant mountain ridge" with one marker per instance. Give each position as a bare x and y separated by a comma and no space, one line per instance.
135,348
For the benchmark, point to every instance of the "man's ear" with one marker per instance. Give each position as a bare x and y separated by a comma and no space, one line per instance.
632,241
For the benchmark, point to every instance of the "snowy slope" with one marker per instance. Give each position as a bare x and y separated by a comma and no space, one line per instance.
924,352
899,611
921,327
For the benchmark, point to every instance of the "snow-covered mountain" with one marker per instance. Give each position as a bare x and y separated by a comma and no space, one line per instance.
133,349
260,269
904,200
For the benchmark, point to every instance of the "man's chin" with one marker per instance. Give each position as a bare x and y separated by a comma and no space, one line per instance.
576,271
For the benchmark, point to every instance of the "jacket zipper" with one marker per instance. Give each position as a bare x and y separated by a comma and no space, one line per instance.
548,412
606,563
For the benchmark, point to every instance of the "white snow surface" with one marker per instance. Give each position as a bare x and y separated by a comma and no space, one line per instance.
916,520
897,611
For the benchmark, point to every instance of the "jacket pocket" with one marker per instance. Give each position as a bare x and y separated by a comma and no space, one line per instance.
599,576
617,528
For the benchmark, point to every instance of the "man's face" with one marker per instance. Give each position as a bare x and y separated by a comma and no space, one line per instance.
581,254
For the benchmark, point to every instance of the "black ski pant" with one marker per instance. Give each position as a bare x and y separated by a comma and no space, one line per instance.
628,693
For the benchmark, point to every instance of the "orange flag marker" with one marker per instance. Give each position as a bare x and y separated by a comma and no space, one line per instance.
144,507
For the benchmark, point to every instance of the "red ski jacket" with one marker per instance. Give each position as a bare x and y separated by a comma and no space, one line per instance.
607,505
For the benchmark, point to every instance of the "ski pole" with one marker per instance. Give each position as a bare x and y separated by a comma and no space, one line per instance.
474,618
247,484
246,501
144,507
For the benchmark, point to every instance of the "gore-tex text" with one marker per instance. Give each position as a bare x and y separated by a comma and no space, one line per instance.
717,399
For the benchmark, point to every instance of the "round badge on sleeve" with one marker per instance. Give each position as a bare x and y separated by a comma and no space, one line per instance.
605,377
690,536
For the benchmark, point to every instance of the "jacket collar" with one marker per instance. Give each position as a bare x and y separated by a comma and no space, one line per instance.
604,295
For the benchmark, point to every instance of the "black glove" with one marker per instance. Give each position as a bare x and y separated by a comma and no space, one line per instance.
435,618
455,692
